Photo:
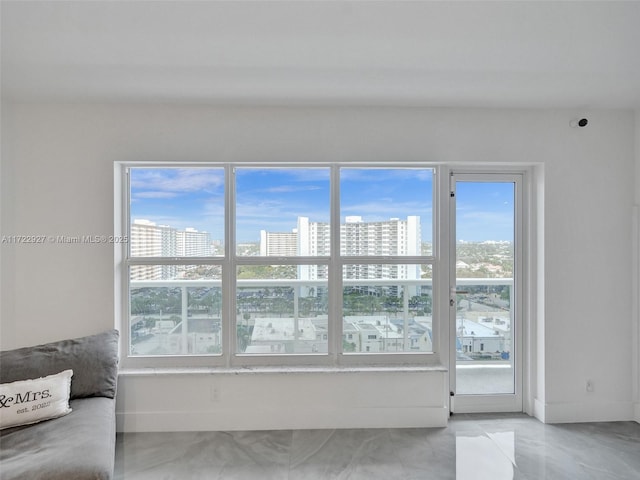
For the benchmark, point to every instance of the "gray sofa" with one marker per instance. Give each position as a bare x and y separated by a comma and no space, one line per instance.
77,446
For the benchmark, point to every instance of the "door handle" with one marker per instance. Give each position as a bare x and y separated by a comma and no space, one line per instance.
454,291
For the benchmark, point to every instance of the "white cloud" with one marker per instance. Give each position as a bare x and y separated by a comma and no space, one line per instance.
156,195
291,188
176,180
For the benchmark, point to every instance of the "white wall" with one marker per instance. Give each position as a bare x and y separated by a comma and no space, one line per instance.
7,263
60,159
242,400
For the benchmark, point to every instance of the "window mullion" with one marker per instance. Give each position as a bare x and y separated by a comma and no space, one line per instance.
335,270
229,348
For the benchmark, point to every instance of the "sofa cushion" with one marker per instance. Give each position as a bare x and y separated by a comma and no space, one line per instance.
93,359
78,446
31,401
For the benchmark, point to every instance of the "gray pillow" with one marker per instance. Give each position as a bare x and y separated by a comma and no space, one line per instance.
93,359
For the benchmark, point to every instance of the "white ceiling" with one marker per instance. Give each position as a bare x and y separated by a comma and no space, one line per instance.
488,54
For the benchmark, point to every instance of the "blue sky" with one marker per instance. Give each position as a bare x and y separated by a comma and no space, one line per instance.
272,199
179,197
484,211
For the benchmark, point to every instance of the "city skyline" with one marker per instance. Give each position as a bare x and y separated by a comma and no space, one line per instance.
273,199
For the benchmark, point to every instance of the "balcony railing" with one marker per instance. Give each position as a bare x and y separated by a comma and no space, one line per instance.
402,313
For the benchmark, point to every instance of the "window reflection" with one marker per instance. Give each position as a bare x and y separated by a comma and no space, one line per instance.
486,457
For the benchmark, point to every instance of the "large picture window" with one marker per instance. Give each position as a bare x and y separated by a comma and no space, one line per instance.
269,264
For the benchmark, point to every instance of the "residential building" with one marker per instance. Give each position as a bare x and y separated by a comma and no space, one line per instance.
192,243
151,240
382,238
146,241
278,244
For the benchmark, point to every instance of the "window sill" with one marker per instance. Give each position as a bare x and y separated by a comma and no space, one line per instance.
153,371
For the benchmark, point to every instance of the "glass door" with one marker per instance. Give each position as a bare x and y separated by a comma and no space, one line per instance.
485,295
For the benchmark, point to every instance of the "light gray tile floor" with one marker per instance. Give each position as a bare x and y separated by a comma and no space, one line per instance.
471,447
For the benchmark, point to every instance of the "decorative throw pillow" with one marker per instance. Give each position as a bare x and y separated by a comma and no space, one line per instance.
31,401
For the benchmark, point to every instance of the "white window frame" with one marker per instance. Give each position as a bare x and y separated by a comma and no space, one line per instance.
335,357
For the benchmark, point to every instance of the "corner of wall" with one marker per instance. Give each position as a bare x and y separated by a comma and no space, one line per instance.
7,326
635,281
635,308
537,310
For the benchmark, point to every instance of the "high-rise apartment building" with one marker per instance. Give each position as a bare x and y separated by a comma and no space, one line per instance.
314,239
386,238
192,243
394,237
278,244
151,240
145,241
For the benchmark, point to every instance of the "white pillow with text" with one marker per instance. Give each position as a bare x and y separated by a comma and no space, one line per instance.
31,401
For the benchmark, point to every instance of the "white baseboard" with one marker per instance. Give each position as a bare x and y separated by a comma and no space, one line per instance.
282,419
574,412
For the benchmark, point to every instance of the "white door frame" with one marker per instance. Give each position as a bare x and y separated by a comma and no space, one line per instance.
492,402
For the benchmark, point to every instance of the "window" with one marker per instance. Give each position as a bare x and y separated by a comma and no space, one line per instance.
267,264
